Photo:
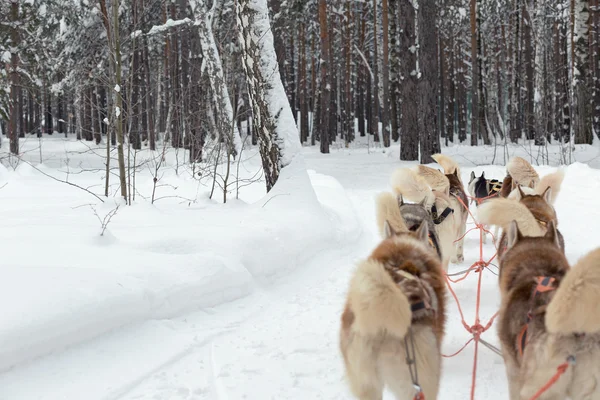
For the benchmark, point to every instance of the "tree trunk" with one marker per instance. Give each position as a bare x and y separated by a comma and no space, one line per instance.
428,84
376,107
386,76
394,71
325,84
15,81
271,113
409,140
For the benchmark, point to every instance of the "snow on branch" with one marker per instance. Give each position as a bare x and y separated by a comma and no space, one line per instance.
168,25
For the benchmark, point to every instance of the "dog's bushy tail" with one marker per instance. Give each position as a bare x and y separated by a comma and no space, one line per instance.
377,302
388,209
502,212
434,178
553,181
522,172
574,307
412,187
447,163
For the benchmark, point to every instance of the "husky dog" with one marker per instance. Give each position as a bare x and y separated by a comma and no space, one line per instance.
481,188
458,200
553,181
408,184
548,314
533,212
398,213
539,202
394,317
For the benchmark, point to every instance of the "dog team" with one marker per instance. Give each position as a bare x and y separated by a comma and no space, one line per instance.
394,317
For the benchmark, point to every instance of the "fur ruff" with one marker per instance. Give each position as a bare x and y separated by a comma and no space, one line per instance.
379,305
574,308
378,315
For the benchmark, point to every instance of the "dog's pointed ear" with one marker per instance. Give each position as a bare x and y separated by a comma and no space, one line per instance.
552,233
456,172
400,200
388,231
422,202
423,231
513,235
472,176
547,195
483,175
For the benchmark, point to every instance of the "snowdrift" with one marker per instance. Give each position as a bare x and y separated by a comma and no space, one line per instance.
63,285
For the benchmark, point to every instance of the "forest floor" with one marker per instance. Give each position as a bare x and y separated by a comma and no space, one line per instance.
189,298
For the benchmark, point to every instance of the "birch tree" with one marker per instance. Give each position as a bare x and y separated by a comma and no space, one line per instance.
271,113
224,118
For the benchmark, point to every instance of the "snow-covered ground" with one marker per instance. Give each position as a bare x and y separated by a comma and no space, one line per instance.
189,298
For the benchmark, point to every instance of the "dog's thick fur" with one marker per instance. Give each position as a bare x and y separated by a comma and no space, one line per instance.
403,216
436,179
532,213
377,317
559,318
522,173
525,259
458,201
412,187
552,181
574,308
408,184
387,210
448,164
539,201
481,190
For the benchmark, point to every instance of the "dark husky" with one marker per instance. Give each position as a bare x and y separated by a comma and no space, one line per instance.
483,189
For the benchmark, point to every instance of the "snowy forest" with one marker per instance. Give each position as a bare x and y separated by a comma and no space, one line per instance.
427,72
247,199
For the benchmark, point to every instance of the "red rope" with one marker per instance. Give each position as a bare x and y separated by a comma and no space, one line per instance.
562,368
476,329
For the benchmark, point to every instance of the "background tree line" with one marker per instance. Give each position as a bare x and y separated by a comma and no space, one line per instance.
413,72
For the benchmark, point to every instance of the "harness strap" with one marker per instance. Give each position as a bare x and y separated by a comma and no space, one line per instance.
411,362
434,243
438,219
493,187
544,284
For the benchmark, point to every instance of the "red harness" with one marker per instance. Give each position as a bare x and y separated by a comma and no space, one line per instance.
544,284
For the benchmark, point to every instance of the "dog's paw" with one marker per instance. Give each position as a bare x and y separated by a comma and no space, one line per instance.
458,259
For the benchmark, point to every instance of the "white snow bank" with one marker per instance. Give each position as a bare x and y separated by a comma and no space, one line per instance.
154,262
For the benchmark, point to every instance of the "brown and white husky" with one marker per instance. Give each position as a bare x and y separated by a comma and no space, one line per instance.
548,315
539,202
457,195
413,187
394,312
